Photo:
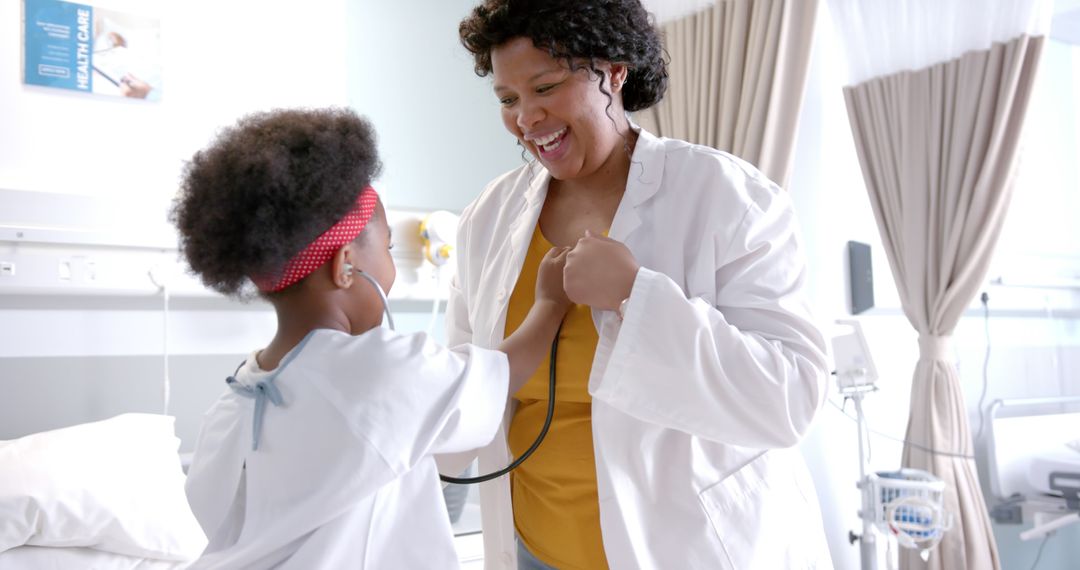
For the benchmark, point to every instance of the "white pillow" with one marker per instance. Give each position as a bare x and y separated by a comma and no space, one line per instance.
114,485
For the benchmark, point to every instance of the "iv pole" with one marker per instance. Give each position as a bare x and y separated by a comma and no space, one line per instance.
868,539
855,376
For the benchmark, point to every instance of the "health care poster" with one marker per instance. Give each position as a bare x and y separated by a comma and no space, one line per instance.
83,48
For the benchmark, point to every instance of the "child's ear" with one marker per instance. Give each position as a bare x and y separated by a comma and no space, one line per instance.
341,267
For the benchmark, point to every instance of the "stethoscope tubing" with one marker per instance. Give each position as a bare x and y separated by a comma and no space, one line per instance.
539,438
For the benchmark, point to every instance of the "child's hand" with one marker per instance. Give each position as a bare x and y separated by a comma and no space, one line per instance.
528,345
549,278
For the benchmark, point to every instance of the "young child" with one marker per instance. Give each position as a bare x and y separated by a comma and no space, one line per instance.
318,455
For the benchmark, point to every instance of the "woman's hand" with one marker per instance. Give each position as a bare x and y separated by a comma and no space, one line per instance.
599,272
549,279
131,86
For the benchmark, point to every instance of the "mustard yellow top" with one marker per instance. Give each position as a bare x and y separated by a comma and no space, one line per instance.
556,510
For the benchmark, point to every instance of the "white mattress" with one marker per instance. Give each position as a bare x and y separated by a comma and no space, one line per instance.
44,558
1042,465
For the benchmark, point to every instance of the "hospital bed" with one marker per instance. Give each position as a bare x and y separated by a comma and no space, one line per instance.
1034,455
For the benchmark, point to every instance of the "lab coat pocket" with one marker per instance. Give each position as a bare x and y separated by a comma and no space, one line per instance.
766,515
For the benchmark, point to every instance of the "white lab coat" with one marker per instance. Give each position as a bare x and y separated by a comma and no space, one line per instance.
343,476
699,395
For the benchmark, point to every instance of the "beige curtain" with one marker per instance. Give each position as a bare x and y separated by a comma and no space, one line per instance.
937,148
737,78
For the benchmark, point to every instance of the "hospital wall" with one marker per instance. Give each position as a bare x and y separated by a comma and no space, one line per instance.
1034,333
220,60
440,131
70,358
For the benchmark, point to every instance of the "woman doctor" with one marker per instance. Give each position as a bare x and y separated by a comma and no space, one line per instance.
690,366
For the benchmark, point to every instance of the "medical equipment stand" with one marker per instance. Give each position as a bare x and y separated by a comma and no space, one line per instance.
868,539
855,377
908,502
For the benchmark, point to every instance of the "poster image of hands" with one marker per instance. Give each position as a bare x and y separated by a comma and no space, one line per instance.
84,48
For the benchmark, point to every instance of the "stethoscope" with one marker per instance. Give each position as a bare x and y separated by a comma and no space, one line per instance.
551,395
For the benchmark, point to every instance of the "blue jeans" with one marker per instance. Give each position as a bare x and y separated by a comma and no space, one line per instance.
526,560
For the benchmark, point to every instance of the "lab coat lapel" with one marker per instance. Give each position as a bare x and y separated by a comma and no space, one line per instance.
642,182
520,234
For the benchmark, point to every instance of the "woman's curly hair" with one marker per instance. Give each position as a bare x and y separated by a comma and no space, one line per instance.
618,31
267,187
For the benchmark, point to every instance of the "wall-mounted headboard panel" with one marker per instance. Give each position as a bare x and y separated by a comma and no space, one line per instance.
75,219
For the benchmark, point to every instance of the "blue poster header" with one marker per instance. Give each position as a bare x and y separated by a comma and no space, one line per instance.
58,39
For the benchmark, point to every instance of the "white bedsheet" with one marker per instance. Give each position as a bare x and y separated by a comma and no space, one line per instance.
49,558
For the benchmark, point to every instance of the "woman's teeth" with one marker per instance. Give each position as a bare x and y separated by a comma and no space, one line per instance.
550,142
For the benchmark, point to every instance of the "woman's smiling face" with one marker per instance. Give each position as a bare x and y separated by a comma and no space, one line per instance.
560,115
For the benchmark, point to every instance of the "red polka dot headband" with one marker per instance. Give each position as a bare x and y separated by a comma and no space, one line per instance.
323,248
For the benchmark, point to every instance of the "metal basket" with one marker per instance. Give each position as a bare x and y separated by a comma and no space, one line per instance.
909,505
